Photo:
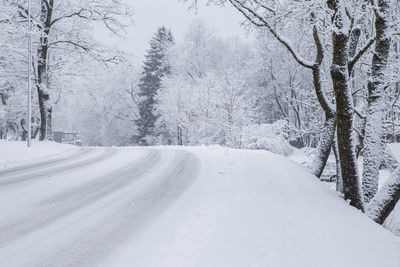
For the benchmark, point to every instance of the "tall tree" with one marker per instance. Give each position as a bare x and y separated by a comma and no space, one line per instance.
156,67
60,26
373,148
382,202
344,104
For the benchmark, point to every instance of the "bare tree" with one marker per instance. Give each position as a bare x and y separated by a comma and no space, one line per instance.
257,12
49,20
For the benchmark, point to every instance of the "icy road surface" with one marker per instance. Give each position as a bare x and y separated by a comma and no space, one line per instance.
208,206
74,211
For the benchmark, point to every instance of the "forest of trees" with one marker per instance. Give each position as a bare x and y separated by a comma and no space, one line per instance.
320,73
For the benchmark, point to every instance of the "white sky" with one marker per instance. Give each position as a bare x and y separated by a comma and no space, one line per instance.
174,14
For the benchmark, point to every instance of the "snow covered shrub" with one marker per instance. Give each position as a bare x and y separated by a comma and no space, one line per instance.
272,137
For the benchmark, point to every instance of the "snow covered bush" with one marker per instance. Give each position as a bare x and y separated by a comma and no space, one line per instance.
272,137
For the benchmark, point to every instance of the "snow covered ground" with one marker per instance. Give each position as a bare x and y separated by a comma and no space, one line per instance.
169,206
17,152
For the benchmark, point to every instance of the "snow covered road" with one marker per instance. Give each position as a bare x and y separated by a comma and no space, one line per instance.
206,206
52,215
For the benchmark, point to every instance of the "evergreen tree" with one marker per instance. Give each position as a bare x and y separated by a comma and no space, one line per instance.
155,68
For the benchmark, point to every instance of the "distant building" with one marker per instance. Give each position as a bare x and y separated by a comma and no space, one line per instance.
67,137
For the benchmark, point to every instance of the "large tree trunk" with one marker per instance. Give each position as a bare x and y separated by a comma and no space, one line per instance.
45,105
373,145
344,109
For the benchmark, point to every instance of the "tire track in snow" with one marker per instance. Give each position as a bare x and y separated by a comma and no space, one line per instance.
134,212
115,207
32,165
55,208
53,167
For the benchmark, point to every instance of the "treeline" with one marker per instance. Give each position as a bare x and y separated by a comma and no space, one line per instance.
350,51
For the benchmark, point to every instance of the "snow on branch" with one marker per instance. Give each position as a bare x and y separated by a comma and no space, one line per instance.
360,53
258,20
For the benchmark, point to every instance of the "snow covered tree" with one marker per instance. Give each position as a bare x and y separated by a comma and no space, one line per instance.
265,15
60,26
156,67
314,16
286,95
383,201
13,75
373,149
102,106
344,104
208,98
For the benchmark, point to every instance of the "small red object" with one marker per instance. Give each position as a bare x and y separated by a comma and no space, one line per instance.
192,113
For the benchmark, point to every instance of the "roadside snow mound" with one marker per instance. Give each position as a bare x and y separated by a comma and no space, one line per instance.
14,152
393,220
271,137
254,208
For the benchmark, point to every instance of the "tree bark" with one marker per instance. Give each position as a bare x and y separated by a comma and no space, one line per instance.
45,105
383,203
328,131
180,137
339,180
327,134
344,108
373,145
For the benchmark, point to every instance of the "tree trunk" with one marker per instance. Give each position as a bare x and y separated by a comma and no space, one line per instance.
45,116
328,131
383,203
373,145
45,105
324,145
180,139
361,138
339,180
344,109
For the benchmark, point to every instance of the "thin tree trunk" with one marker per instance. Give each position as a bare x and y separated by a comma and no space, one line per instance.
373,145
328,131
339,180
361,138
324,145
180,141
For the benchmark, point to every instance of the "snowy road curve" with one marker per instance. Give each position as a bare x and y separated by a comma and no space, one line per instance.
178,207
75,210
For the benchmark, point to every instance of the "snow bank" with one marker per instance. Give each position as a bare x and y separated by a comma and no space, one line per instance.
14,152
254,208
394,150
393,221
271,137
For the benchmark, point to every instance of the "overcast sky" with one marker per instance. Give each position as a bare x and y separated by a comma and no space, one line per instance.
174,14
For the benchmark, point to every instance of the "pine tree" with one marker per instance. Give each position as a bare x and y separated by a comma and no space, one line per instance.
155,68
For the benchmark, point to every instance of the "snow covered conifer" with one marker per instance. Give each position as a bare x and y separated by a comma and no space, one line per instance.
155,67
